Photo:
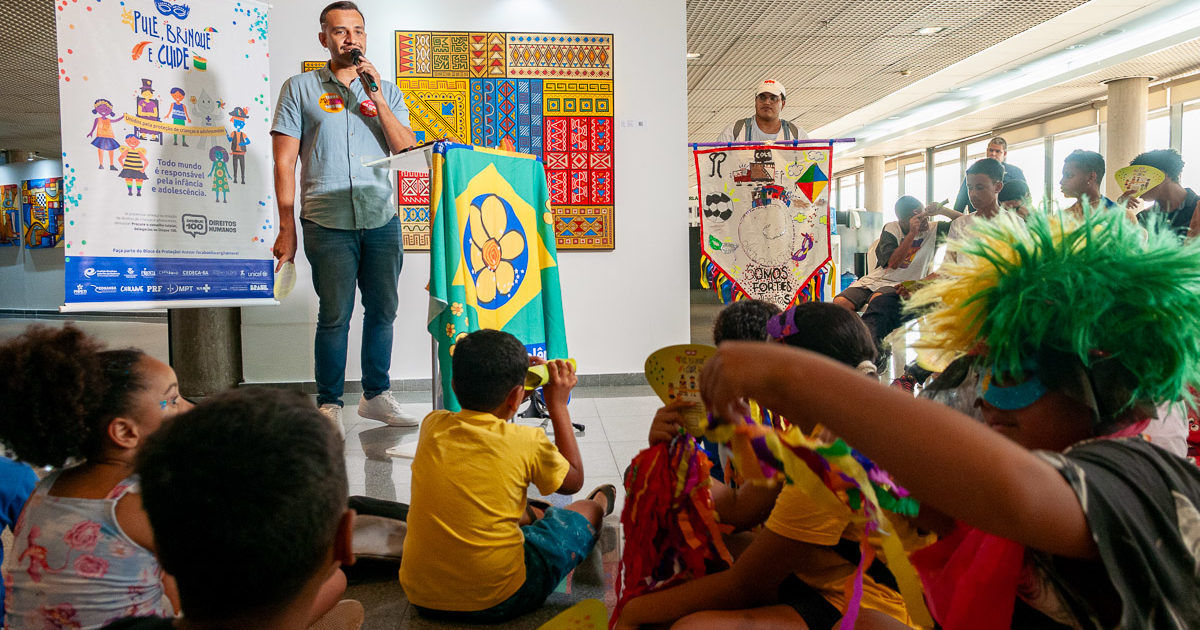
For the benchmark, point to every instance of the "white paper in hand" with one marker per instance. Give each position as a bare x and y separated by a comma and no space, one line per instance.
285,280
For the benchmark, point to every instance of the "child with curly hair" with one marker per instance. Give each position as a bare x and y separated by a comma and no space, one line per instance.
84,550
1064,519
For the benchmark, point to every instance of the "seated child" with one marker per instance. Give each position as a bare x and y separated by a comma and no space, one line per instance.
905,251
247,496
466,556
745,320
16,484
84,551
795,570
1102,527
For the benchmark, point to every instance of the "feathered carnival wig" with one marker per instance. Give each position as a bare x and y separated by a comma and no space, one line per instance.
1118,302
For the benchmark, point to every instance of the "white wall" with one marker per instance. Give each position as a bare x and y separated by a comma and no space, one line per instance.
619,305
30,278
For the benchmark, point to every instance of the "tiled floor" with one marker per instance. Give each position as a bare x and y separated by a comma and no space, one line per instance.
616,421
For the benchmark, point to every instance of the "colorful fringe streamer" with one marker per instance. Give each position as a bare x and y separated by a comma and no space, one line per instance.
711,277
813,290
832,476
671,531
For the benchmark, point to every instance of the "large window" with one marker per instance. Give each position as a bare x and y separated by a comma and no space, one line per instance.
847,193
1158,133
891,192
914,181
1064,144
1030,157
947,176
1191,146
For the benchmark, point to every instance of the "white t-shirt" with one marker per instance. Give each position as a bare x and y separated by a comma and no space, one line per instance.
915,267
757,134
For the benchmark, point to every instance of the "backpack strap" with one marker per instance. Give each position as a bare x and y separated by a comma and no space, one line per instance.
748,124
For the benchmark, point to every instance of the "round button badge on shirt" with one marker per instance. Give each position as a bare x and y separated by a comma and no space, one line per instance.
368,109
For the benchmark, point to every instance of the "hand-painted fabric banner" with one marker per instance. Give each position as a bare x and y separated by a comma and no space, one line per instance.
10,216
765,221
493,263
546,94
166,153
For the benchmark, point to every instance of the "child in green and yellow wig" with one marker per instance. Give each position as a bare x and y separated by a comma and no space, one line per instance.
1079,327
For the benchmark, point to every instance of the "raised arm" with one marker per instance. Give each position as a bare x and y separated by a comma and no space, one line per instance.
944,458
558,392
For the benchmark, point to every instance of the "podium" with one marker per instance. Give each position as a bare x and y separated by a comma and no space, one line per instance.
493,260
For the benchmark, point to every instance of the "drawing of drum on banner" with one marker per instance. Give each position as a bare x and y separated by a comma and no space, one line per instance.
764,221
167,183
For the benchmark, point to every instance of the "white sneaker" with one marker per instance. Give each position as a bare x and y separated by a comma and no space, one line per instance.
333,413
385,409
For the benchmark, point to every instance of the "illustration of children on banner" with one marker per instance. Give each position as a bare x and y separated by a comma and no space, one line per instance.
204,108
147,108
102,129
179,114
133,164
238,141
219,173
10,217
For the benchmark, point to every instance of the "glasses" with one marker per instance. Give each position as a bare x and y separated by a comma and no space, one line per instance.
768,97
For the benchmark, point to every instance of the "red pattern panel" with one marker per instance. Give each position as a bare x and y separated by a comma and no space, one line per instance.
602,187
580,189
413,187
581,150
556,133
557,181
580,134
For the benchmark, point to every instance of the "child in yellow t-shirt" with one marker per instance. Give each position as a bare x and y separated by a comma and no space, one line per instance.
468,557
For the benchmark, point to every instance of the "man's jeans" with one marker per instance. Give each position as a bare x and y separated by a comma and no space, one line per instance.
339,258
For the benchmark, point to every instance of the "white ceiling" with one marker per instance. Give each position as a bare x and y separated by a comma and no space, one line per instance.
840,59
850,65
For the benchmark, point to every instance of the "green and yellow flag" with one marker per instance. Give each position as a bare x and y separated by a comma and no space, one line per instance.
493,262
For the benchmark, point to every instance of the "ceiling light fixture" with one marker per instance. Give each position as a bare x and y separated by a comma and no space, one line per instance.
693,55
1076,46
929,30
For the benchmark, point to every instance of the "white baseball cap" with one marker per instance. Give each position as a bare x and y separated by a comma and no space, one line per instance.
771,86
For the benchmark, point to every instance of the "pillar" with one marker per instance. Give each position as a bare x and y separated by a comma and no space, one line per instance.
206,349
1126,134
873,183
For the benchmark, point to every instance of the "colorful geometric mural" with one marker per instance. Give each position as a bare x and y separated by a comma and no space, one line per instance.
42,211
549,94
10,216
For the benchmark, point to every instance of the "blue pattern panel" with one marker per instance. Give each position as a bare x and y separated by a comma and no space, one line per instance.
529,116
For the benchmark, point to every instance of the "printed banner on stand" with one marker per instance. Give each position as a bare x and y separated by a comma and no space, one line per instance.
764,222
493,263
167,177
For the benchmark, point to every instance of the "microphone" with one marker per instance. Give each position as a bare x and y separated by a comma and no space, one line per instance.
356,58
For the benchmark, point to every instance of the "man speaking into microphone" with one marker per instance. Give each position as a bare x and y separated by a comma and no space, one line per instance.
332,120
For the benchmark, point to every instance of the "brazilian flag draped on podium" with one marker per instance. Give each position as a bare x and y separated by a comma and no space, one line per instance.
493,262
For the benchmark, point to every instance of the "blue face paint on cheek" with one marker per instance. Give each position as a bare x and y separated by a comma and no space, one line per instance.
162,404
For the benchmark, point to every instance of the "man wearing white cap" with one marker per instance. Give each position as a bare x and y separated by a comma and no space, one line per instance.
765,125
